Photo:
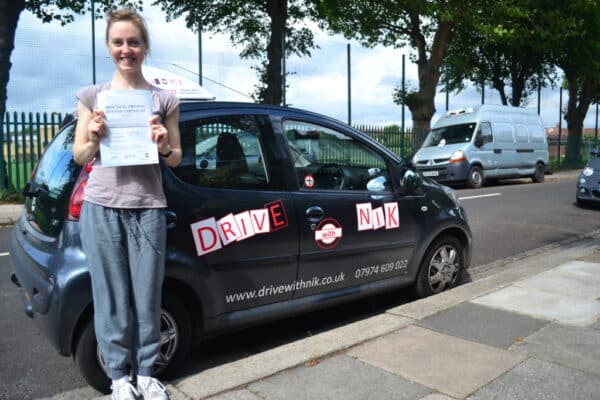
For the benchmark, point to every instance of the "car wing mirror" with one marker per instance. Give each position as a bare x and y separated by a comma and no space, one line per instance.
377,184
478,139
411,181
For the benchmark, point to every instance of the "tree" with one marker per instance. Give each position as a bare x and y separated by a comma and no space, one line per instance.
503,47
572,30
46,10
426,26
262,27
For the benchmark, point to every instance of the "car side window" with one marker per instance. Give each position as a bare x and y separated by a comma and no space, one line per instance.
486,132
331,160
224,152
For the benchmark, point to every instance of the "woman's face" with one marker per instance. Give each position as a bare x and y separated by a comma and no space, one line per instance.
126,47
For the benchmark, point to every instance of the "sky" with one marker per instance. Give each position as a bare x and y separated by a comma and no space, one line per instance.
51,62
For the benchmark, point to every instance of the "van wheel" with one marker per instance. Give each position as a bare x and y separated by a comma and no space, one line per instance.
442,268
538,175
175,339
475,178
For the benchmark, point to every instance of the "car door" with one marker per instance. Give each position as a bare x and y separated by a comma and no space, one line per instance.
229,215
352,227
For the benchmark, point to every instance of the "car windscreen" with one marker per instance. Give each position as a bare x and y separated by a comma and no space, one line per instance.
53,181
452,134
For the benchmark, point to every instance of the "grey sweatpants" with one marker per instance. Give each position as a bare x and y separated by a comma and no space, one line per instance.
125,250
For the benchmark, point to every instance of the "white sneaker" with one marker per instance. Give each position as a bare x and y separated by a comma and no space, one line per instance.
123,391
152,389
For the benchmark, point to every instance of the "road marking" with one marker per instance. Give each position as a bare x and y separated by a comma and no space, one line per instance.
4,254
479,196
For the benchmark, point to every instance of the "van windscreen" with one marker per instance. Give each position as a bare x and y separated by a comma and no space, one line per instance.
449,135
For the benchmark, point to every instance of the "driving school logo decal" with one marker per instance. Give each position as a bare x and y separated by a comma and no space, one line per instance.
328,233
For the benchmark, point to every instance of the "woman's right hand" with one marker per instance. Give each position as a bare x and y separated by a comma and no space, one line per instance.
96,126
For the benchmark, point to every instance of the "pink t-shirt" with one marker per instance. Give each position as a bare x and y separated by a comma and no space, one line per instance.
138,186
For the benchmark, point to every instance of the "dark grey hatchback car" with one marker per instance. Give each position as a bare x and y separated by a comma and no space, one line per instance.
588,182
273,211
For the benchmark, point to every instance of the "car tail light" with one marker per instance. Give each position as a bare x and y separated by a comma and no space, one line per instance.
77,197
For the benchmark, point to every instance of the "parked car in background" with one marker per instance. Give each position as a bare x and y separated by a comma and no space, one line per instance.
487,142
273,211
588,183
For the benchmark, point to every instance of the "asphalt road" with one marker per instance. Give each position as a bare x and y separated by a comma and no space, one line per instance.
506,219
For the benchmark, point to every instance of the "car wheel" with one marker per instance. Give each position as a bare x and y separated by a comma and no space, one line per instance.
538,175
442,268
475,178
175,332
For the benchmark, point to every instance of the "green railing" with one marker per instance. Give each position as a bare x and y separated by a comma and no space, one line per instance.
404,144
23,137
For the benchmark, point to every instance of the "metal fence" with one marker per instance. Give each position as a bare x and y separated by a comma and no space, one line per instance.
23,137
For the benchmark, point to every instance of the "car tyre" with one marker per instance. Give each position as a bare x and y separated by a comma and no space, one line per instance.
176,335
442,268
538,175
475,178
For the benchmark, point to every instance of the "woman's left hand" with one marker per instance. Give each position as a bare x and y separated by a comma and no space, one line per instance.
160,135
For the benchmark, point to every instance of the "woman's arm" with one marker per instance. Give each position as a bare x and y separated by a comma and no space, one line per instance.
90,127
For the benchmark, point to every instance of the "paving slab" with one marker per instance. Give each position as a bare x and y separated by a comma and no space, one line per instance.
542,304
541,380
244,371
571,346
437,396
485,325
574,279
339,377
449,365
236,395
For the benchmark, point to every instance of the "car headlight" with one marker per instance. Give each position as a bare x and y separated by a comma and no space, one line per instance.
452,195
458,157
588,171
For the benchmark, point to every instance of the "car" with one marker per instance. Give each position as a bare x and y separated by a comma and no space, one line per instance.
487,142
273,211
588,183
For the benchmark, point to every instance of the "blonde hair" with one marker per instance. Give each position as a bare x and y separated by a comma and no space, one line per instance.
128,15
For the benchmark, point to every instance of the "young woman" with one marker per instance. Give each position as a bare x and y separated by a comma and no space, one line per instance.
123,230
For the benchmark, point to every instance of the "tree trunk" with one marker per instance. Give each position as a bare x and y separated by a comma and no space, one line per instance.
273,93
580,98
500,87
421,104
9,17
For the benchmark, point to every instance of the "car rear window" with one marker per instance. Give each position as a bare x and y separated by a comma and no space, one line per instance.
53,182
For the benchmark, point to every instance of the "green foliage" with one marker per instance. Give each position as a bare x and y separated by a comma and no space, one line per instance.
256,28
11,196
504,47
65,10
426,27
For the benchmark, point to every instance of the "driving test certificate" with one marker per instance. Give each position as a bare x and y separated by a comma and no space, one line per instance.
127,142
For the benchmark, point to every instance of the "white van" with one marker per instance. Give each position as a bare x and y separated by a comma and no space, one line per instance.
484,142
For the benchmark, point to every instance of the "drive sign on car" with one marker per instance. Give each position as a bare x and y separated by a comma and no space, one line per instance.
273,211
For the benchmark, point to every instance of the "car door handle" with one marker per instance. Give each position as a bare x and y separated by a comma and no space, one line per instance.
171,219
314,214
497,151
